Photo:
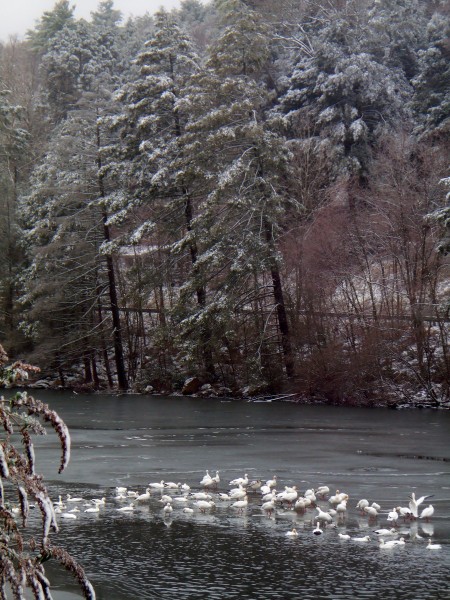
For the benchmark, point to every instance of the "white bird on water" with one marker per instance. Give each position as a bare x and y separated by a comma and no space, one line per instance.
365,538
128,508
317,530
432,546
70,499
427,512
393,516
156,485
323,516
344,536
94,509
386,532
207,480
414,504
292,533
240,505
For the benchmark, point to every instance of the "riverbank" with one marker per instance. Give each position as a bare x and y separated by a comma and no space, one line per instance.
397,399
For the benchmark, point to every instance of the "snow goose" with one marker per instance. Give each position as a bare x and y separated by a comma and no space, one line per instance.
317,530
404,511
393,516
240,505
323,516
300,505
201,496
255,485
185,487
187,510
204,505
70,499
171,485
337,498
216,479
344,536
341,509
371,512
121,490
168,509
207,480
181,499
292,533
144,496
224,497
432,546
385,532
67,515
166,499
365,538
288,496
99,501
238,493
322,491
241,481
362,504
268,507
157,485
128,508
414,504
427,512
271,483
94,509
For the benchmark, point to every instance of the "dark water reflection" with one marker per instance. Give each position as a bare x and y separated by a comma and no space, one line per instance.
378,454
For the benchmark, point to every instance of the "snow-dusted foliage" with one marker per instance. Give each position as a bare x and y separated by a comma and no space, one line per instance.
342,92
22,555
431,100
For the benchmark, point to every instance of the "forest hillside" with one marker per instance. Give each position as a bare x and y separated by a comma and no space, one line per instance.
237,198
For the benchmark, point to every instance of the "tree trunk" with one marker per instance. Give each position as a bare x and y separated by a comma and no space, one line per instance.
283,323
117,333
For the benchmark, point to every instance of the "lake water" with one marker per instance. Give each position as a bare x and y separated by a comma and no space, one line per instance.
377,454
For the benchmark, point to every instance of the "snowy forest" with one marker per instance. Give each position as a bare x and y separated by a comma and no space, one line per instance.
236,198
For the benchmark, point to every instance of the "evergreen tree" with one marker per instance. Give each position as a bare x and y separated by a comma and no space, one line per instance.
431,100
237,165
13,144
343,94
50,24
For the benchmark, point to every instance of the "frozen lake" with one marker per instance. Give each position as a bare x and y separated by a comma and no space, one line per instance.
377,454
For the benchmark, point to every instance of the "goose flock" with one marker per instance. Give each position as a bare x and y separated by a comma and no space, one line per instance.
316,509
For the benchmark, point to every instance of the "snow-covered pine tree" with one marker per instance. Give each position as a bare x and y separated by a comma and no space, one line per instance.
340,93
151,201
431,100
13,143
51,22
237,166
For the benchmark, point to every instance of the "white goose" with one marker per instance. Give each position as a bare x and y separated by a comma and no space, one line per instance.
323,516
317,530
156,485
128,508
414,504
207,479
427,512
393,516
292,533
240,505
431,546
268,507
70,499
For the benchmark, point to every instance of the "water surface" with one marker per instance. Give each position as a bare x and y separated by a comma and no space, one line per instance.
377,454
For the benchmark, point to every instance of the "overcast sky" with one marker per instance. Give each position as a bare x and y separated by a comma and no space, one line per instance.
17,16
